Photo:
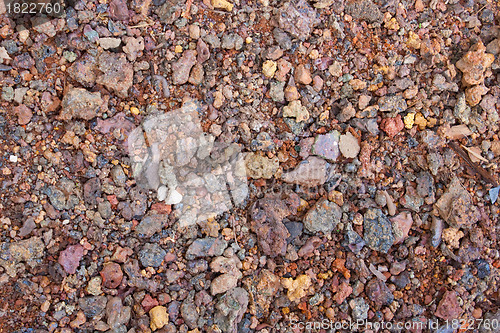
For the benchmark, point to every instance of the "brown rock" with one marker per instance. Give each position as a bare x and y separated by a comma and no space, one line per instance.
473,95
149,302
456,206
308,248
284,68
24,114
474,64
203,51
302,75
267,216
70,258
378,292
121,254
118,10
298,18
84,70
112,275
117,73
82,104
291,93
197,74
181,68
449,308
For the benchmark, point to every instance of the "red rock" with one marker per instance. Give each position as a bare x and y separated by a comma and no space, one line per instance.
149,302
118,10
70,258
344,291
112,275
24,114
448,308
161,208
392,126
309,247
121,254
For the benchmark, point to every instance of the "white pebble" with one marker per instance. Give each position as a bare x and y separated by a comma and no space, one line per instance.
173,198
162,193
13,158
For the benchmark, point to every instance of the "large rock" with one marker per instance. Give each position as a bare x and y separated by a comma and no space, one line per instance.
267,222
82,104
182,68
309,173
230,309
323,217
29,250
150,224
297,18
363,10
117,73
456,206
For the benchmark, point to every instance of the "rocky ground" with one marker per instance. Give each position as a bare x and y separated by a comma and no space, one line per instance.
369,131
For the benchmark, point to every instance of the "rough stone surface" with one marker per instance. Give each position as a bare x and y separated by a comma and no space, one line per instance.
81,103
377,230
324,217
456,206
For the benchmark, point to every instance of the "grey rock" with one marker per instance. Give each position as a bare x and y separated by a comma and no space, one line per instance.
116,313
435,161
425,186
8,94
189,312
150,224
232,41
359,309
277,92
230,309
57,198
401,280
104,208
213,40
118,175
412,200
283,39
323,217
327,146
462,111
377,230
206,247
92,306
152,255
394,104
311,172
28,250
197,266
